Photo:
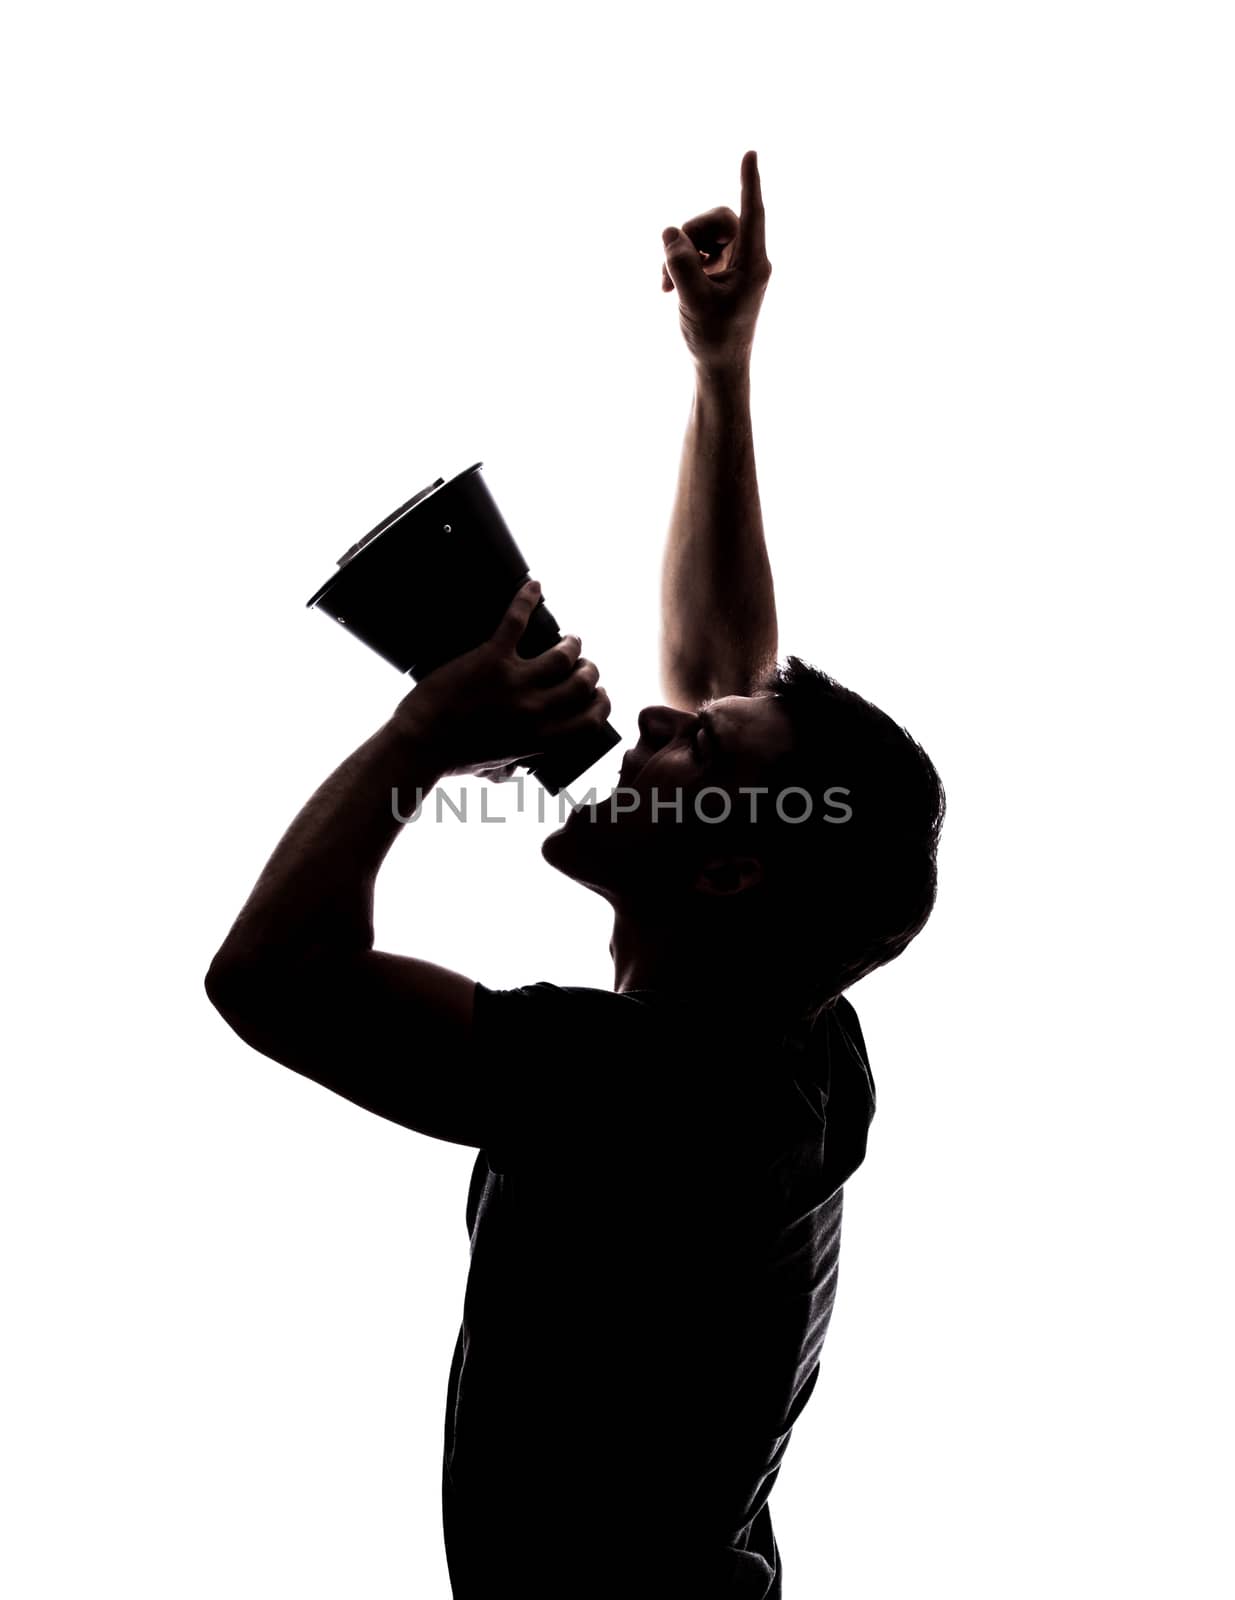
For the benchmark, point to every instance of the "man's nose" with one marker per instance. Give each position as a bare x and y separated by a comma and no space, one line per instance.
658,724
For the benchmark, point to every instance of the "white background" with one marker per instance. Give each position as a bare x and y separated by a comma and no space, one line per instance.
273,269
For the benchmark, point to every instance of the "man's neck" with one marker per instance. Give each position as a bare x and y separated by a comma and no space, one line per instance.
654,955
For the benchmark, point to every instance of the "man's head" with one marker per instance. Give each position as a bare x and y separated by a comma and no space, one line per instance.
791,832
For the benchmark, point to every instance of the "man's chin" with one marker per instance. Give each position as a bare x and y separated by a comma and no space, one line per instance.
556,848
571,848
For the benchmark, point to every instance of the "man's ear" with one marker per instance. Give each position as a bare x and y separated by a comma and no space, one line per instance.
728,875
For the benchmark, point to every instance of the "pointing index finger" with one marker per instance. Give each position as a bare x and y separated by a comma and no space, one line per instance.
754,247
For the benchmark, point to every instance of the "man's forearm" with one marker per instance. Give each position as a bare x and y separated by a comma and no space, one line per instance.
718,608
315,895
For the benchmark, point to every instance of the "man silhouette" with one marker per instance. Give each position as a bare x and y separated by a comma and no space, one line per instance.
655,1207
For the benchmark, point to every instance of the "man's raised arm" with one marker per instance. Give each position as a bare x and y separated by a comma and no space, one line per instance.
718,608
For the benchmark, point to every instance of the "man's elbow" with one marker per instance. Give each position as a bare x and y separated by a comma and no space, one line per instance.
223,983
235,985
264,1006
262,984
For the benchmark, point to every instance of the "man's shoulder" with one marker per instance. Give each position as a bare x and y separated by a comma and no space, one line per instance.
558,1006
545,993
574,1068
643,998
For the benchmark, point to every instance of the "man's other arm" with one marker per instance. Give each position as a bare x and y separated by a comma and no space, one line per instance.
298,977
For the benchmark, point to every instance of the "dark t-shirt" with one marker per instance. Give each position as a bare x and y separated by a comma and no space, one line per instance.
654,1239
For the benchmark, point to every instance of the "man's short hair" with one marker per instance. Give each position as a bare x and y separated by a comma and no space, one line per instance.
848,894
